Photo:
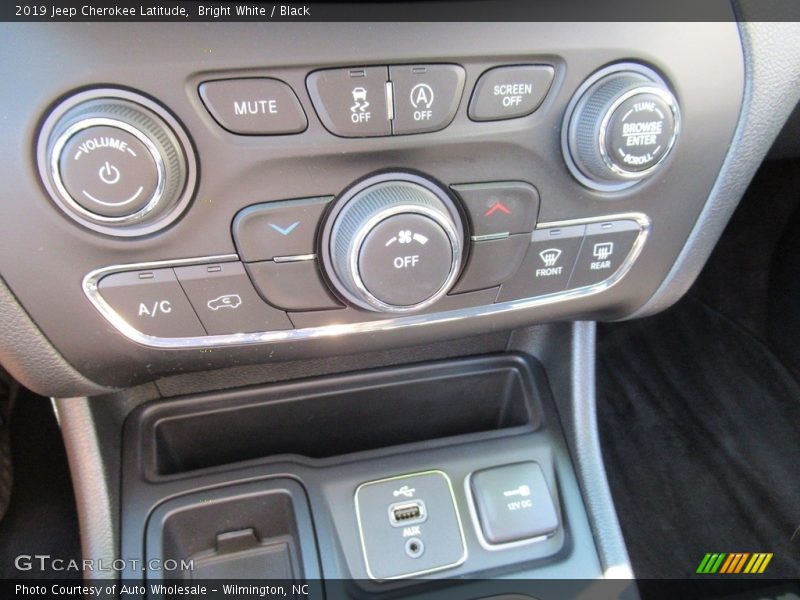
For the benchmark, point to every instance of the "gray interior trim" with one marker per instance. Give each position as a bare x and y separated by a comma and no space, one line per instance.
233,377
772,89
567,351
31,359
97,514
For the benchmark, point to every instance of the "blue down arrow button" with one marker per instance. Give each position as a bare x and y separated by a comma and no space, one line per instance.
285,228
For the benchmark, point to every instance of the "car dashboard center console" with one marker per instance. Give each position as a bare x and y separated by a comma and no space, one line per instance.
310,202
342,252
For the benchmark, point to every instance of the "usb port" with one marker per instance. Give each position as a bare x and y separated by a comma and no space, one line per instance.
407,513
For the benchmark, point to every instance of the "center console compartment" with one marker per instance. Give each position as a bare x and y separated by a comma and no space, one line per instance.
449,470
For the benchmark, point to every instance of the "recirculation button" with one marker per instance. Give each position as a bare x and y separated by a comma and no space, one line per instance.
225,301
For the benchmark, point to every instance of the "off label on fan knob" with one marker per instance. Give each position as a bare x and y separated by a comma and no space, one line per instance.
393,243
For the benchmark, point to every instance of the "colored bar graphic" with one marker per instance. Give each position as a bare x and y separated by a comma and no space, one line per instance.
734,563
711,563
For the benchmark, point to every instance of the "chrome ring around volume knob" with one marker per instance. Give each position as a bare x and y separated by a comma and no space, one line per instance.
116,165
395,245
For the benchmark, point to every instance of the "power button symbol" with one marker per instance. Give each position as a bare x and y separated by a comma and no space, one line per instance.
109,173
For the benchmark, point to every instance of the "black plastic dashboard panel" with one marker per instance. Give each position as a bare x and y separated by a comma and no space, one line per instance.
239,171
511,419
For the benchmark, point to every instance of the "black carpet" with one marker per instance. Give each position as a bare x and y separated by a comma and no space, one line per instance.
700,425
41,518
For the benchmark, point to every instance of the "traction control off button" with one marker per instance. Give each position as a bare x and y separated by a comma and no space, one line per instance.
352,102
151,302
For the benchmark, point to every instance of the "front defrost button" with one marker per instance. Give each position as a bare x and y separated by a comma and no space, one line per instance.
548,265
151,302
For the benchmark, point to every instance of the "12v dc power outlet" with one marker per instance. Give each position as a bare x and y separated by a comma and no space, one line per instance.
513,503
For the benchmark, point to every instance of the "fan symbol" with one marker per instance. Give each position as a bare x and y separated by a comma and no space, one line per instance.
404,237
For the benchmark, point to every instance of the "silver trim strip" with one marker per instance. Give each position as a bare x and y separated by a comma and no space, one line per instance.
490,236
295,258
390,100
91,281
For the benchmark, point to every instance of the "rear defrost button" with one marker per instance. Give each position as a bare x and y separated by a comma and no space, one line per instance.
604,250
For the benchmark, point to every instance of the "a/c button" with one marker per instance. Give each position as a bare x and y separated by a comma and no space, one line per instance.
152,302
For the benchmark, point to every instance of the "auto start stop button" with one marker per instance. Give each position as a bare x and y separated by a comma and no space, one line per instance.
109,171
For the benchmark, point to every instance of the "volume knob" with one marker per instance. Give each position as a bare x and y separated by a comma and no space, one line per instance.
115,165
